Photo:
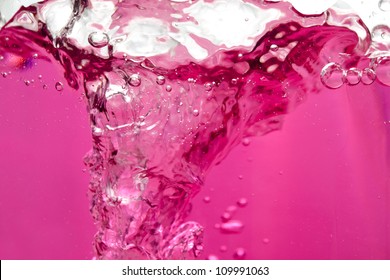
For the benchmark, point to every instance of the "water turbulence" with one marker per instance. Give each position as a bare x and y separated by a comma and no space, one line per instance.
172,86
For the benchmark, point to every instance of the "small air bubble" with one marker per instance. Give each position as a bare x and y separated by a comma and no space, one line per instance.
98,39
44,86
208,86
4,74
242,202
206,199
40,77
274,47
168,88
232,226
368,76
195,112
226,217
332,75
1,57
384,5
212,257
239,254
223,248
353,76
383,70
27,82
246,142
135,80
233,81
240,177
160,80
59,86
265,240
35,55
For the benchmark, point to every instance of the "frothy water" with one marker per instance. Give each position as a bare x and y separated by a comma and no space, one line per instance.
172,87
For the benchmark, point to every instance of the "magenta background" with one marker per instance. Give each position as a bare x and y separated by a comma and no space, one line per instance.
317,189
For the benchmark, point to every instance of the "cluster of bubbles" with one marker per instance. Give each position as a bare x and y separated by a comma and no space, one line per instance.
333,75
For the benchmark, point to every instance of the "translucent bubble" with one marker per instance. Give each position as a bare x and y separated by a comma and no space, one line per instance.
27,82
168,88
226,217
246,141
332,75
212,257
368,76
353,76
59,86
98,39
383,70
44,86
239,254
207,199
135,80
195,112
381,34
208,86
265,240
232,226
384,5
4,74
234,81
160,80
242,202
274,47
223,248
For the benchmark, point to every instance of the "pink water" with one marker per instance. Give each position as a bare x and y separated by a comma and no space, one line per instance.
316,188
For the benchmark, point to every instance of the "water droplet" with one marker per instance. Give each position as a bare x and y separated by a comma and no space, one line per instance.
368,76
332,75
59,86
274,47
353,76
239,254
168,88
242,202
265,240
212,257
98,39
195,112
246,141
384,5
160,80
232,226
207,199
383,70
135,80
208,86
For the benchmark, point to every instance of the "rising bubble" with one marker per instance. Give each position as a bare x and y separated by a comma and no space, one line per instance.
332,75
383,70
59,86
160,80
239,254
384,5
233,226
98,39
368,76
135,80
353,76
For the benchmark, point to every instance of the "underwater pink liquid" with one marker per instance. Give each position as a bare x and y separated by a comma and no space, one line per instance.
314,186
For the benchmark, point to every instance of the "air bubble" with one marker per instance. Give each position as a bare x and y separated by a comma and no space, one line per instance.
383,70
207,199
232,226
353,76
212,257
239,254
223,248
274,47
368,76
226,217
44,86
135,80
98,39
208,86
265,240
35,55
242,202
381,34
195,112
59,86
332,75
160,80
168,88
233,81
246,141
4,74
27,82
384,5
